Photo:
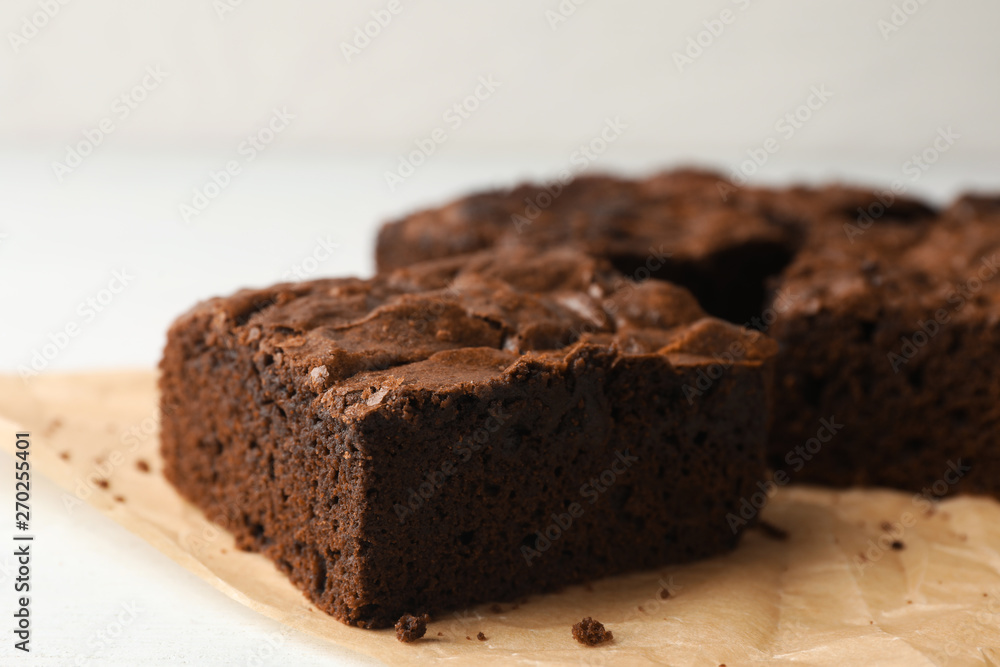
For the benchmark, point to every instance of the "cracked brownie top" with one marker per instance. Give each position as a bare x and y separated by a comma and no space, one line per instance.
505,305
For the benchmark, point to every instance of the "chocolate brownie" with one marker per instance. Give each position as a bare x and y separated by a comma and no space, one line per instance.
465,430
886,309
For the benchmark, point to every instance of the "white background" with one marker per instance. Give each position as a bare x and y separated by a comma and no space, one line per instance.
322,179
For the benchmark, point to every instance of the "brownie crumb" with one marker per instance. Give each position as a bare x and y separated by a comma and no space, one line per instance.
773,532
664,593
410,628
440,634
103,483
481,637
591,632
119,499
898,546
64,456
142,465
885,526
53,426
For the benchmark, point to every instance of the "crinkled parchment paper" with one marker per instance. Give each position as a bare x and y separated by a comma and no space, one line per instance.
835,592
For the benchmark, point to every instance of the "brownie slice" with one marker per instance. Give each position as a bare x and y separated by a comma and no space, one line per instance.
465,430
674,227
885,308
898,335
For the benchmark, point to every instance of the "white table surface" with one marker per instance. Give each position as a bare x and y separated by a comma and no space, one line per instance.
60,245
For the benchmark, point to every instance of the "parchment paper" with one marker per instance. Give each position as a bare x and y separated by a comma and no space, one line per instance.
834,593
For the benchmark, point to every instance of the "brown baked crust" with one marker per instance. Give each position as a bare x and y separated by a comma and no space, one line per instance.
848,280
406,442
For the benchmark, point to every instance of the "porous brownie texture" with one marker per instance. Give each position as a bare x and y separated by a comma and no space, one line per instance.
887,309
465,430
410,628
591,633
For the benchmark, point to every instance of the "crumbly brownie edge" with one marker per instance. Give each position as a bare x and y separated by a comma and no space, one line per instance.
249,447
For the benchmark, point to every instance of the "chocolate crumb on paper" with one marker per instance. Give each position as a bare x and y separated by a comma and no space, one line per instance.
142,465
481,637
591,633
53,426
410,628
